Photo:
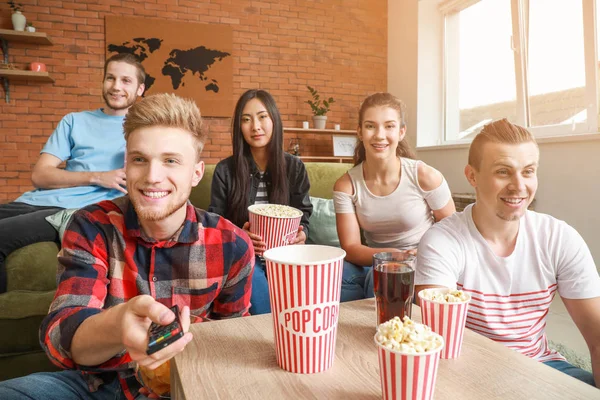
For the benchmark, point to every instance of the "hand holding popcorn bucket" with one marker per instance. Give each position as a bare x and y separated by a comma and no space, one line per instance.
276,224
304,288
409,354
445,312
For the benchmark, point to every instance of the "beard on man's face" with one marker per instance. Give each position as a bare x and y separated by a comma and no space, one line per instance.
151,214
156,215
128,103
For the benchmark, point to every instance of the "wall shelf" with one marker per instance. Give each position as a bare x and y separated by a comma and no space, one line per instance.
6,75
322,131
20,75
343,140
335,159
25,37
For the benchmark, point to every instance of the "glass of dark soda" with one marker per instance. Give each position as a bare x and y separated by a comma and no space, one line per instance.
394,284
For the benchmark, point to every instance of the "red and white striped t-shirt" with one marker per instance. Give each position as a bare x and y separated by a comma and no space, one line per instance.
510,295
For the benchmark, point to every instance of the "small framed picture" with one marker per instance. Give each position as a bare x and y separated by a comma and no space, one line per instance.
343,145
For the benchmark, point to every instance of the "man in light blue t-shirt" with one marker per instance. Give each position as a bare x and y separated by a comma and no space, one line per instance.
93,146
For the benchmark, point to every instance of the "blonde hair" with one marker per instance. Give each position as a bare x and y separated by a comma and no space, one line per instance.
383,100
166,110
500,131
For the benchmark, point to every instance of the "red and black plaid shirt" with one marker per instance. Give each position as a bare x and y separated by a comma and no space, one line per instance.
106,260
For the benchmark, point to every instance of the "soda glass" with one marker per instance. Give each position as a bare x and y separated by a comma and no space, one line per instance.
394,284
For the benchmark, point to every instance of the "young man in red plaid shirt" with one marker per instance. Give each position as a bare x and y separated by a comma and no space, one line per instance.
124,262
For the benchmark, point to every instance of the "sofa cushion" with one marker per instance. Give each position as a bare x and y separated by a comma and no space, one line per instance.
200,196
323,222
322,177
32,267
21,312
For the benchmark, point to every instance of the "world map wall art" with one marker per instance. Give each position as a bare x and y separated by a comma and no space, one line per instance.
189,59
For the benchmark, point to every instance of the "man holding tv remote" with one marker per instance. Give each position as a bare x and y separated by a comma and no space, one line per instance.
124,262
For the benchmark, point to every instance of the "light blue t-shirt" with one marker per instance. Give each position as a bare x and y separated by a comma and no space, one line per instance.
89,141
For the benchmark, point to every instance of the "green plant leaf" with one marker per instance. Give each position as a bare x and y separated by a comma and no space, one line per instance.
315,104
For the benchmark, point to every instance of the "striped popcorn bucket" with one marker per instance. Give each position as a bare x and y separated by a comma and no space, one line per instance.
304,288
446,319
275,231
407,376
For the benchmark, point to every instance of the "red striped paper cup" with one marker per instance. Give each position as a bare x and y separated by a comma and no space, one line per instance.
407,376
446,319
304,288
275,231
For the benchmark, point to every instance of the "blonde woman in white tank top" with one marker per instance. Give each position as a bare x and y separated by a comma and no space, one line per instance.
388,194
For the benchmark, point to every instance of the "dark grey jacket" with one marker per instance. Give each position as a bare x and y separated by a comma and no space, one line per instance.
222,184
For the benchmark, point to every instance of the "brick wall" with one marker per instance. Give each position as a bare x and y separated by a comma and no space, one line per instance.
336,46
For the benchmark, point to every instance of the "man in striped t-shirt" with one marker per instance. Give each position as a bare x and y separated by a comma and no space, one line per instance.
510,260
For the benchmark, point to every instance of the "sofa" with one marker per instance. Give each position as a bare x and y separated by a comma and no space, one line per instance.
31,273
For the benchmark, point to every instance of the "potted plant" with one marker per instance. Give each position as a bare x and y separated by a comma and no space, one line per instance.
30,27
319,108
18,19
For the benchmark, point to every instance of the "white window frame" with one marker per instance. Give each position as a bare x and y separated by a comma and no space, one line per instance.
449,13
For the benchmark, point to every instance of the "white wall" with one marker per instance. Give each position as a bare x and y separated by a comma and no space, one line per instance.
402,58
569,174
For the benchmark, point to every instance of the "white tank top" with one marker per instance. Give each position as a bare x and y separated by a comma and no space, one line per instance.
399,219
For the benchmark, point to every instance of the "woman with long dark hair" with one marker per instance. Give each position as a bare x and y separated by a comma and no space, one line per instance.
259,172
388,194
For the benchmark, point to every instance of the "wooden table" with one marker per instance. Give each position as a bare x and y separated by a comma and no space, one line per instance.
235,359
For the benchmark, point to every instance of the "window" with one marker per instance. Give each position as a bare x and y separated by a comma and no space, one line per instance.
531,61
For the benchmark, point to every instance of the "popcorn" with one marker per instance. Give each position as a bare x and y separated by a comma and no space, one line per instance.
157,380
277,210
407,337
443,296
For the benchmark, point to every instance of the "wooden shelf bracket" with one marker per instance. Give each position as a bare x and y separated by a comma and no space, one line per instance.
6,89
5,80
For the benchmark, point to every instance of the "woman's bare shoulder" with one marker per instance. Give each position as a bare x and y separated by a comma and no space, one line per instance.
344,184
429,177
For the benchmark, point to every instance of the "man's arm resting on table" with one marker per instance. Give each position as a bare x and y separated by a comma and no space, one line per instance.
586,315
125,327
47,175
